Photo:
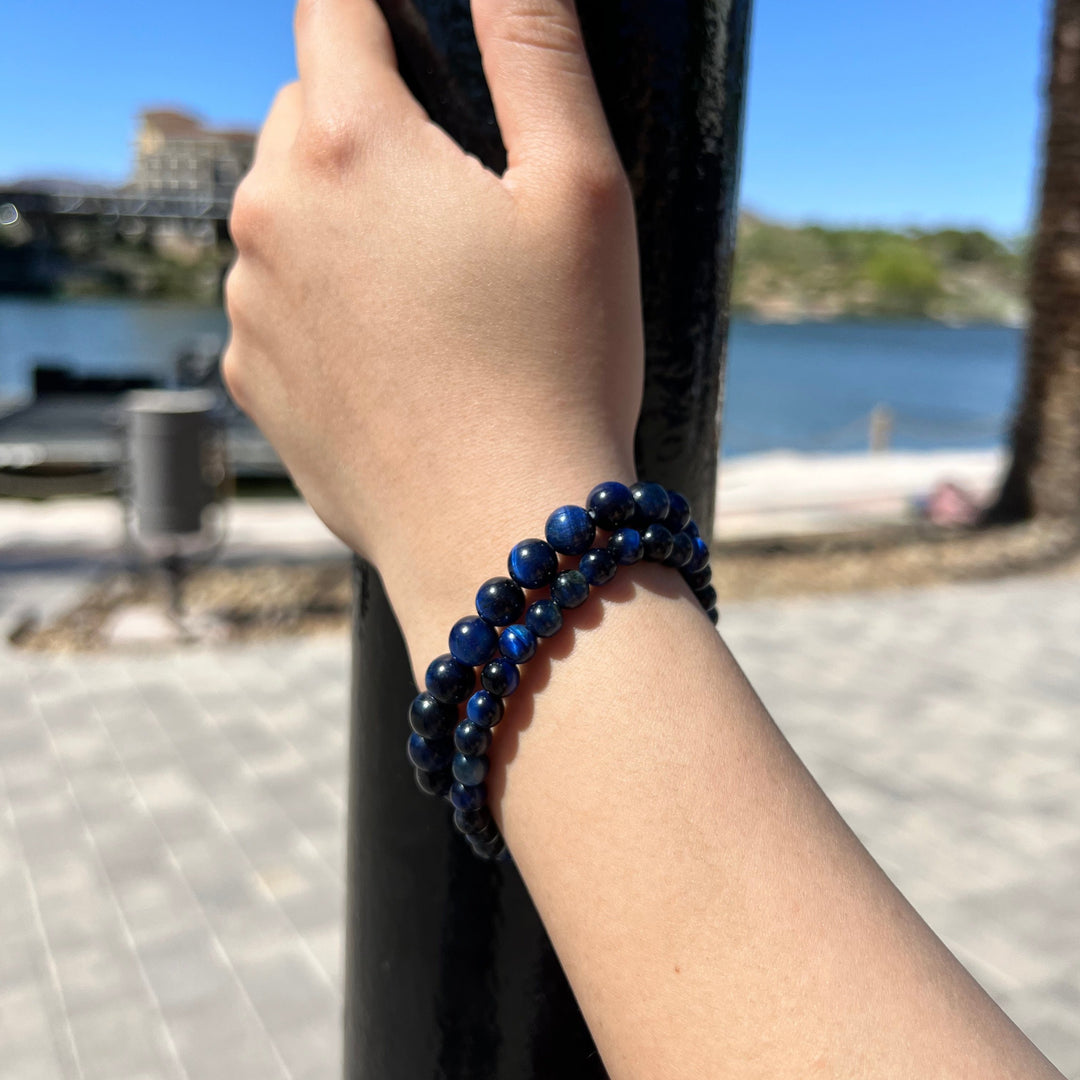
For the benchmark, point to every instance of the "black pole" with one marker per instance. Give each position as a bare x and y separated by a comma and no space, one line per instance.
449,973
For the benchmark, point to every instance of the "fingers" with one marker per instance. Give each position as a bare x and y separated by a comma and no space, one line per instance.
344,49
540,80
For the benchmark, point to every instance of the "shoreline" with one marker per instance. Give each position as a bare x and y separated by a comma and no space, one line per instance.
791,493
781,492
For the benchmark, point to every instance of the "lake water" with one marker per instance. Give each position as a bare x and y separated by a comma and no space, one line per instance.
808,386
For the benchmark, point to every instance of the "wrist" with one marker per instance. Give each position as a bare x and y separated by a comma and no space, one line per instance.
432,574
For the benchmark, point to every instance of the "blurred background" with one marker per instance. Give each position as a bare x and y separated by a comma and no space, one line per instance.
898,512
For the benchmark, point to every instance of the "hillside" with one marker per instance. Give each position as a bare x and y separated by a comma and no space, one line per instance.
787,273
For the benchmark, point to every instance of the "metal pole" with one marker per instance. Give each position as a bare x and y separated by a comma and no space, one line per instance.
449,973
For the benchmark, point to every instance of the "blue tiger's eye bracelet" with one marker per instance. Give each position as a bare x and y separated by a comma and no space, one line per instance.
449,752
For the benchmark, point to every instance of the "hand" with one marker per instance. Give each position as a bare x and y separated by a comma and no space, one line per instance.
429,345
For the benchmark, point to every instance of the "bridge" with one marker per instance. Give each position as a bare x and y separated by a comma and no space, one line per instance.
36,223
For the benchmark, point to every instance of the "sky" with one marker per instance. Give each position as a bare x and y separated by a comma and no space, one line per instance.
858,112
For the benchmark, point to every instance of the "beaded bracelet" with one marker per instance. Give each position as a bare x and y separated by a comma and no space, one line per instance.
449,752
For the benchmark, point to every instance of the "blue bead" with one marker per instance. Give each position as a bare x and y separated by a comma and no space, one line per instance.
472,738
544,618
706,597
570,589
470,771
700,557
499,677
714,615
610,504
484,708
468,797
691,529
449,680
533,563
500,601
657,542
682,547
518,643
434,783
493,850
430,754
570,530
698,579
625,546
430,717
597,566
472,640
651,501
678,512
473,822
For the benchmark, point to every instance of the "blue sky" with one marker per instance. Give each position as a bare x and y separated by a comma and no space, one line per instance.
923,113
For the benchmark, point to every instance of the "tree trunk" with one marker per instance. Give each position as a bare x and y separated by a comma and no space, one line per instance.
1044,479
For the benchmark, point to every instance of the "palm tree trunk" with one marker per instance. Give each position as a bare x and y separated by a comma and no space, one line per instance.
1044,479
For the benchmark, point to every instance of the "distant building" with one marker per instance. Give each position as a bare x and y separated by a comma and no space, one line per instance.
176,156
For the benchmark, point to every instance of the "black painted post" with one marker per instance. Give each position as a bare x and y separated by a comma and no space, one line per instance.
449,973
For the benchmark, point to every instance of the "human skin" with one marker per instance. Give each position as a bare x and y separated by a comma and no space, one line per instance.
442,355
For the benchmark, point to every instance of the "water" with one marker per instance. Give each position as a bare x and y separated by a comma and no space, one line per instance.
123,337
809,386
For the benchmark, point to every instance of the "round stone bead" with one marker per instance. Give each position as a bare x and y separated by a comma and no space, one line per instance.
700,557
434,783
472,640
625,546
691,529
651,501
448,680
533,563
714,615
471,738
610,504
493,850
499,677
706,597
678,512
570,589
467,797
484,708
698,579
682,547
657,542
570,530
597,566
430,717
500,601
430,754
544,618
518,644
473,822
470,771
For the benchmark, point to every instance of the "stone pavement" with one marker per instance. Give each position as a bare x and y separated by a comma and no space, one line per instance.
171,825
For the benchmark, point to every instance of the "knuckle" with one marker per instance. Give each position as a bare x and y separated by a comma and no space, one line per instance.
250,216
233,293
600,183
328,142
232,373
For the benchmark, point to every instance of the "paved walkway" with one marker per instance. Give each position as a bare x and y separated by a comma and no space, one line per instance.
171,826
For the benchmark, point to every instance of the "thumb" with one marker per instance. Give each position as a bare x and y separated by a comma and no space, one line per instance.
540,81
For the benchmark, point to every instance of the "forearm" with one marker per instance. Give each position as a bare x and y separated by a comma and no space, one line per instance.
714,914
